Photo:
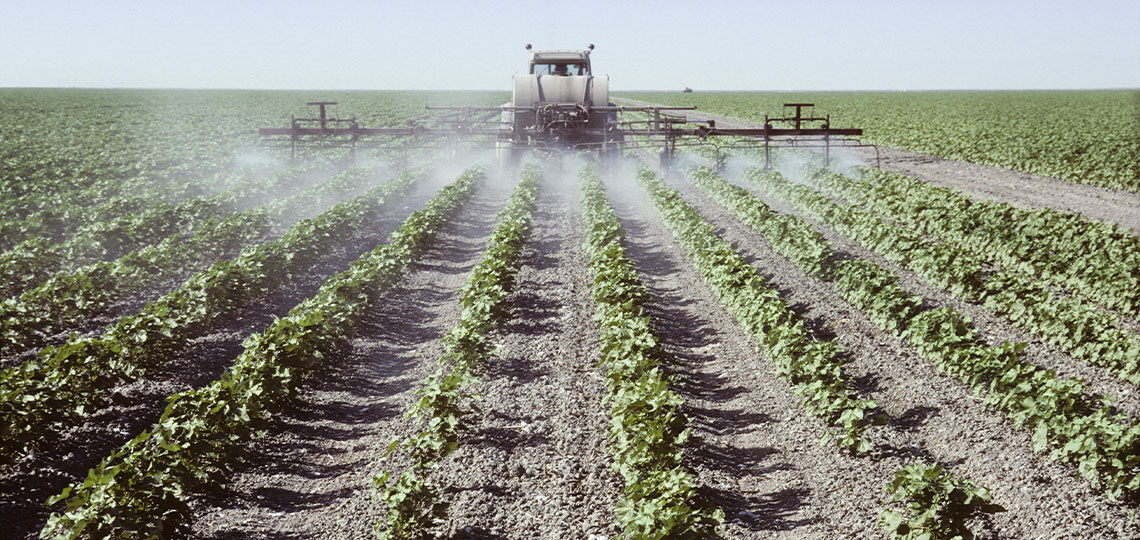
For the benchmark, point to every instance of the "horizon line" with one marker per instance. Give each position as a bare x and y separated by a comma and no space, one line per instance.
694,91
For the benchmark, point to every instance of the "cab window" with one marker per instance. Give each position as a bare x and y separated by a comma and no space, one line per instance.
564,68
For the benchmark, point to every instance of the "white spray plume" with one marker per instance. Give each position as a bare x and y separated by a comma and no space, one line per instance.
257,156
845,162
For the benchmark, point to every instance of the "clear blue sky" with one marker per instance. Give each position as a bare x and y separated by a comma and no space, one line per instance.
441,44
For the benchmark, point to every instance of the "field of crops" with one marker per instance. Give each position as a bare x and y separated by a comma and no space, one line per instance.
1087,137
203,339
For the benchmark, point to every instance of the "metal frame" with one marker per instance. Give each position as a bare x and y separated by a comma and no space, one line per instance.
562,125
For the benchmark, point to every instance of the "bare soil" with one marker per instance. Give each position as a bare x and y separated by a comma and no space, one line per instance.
533,463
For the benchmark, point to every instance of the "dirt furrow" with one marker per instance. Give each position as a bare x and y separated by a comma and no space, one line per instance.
535,463
931,417
138,404
310,476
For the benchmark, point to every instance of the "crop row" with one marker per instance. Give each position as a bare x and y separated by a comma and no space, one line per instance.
1074,327
413,501
814,368
40,396
1098,260
68,299
73,157
41,176
108,209
140,489
1077,429
647,429
32,261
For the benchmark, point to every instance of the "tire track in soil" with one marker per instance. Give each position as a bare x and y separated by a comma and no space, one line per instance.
985,182
535,463
931,417
991,327
26,484
310,476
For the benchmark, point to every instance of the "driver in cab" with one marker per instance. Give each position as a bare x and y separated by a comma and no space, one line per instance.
564,70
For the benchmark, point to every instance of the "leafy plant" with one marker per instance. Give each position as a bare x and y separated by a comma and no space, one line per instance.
931,504
1074,427
1070,324
413,505
1086,137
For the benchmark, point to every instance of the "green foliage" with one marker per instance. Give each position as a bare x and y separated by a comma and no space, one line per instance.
934,504
1104,447
74,157
1076,428
413,505
647,429
936,263
138,491
789,236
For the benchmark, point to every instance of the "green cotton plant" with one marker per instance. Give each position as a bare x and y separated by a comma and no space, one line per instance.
111,239
1087,137
647,429
790,237
139,491
1096,260
1073,427
928,503
945,267
442,403
413,503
